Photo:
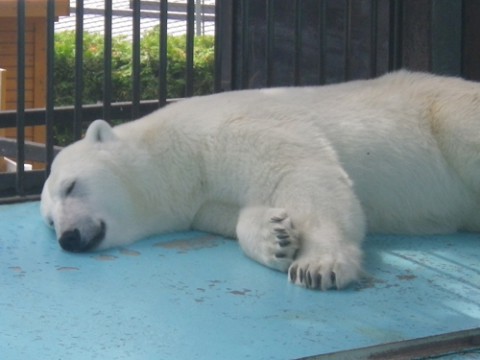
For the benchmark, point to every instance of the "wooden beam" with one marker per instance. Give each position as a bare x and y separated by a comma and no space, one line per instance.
3,89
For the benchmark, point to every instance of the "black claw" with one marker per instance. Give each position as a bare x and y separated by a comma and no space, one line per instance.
280,230
308,280
301,275
280,255
293,274
277,219
284,242
333,278
283,236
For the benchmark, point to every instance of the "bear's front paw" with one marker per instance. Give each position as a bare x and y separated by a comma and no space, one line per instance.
325,271
284,242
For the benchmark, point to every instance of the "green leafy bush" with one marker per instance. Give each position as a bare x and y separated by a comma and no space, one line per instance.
122,67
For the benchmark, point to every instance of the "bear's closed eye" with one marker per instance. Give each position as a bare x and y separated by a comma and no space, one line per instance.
70,188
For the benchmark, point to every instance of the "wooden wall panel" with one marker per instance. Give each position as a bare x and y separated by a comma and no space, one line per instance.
3,88
35,71
8,60
34,8
35,61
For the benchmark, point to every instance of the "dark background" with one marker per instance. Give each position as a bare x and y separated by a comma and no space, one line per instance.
304,42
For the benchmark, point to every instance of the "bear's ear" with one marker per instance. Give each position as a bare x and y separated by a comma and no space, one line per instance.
100,131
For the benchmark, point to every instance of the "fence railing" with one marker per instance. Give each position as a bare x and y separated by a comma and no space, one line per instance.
257,44
26,185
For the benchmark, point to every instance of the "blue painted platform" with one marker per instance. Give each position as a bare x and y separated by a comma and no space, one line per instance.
195,296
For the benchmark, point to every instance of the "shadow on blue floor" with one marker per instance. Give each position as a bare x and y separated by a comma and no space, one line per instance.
195,296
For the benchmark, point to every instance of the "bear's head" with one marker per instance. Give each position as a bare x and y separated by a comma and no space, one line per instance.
84,199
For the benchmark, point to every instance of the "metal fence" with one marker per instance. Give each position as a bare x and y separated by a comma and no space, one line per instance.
26,185
257,44
307,42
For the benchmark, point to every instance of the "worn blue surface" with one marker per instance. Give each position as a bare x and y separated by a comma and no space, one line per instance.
195,296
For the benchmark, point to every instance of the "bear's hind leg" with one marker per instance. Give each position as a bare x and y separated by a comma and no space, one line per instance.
268,236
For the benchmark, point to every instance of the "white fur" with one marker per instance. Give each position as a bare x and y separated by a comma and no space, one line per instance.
297,174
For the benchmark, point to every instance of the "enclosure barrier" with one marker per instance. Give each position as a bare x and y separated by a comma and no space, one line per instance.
257,44
24,185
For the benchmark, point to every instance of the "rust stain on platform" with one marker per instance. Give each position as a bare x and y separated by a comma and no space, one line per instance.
185,245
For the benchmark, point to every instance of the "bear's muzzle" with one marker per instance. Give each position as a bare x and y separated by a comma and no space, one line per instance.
72,240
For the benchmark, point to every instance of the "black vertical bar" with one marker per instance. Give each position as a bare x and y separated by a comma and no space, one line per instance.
219,30
463,43
270,42
234,41
20,179
78,116
136,60
190,47
348,39
373,37
107,62
322,24
446,37
470,37
49,113
245,44
297,61
395,36
162,89
227,46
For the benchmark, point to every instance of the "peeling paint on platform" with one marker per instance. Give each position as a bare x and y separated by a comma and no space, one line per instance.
185,245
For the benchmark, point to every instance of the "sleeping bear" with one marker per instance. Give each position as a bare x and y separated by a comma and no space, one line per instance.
297,175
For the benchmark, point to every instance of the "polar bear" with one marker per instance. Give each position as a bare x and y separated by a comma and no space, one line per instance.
297,175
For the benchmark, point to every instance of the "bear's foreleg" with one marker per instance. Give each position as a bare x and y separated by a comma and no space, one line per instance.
314,257
314,229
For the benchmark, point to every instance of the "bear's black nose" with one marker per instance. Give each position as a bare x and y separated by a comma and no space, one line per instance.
71,241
